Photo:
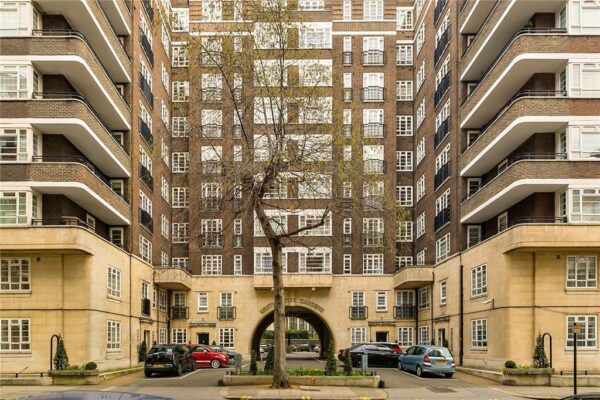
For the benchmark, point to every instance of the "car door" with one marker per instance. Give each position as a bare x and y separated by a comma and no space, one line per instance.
200,355
417,357
407,360
372,356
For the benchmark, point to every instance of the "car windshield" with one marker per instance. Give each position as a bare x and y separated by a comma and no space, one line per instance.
218,348
441,352
160,349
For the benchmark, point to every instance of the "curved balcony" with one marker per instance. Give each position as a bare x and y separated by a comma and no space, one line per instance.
72,116
68,53
118,14
473,13
73,177
413,276
524,175
173,278
517,122
530,51
304,280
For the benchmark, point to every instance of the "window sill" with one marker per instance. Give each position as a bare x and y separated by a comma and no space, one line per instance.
113,298
479,296
479,349
113,351
17,353
13,292
584,349
588,290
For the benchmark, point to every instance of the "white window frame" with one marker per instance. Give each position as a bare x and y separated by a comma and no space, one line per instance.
581,272
479,281
479,338
113,283
587,337
113,336
23,328
8,266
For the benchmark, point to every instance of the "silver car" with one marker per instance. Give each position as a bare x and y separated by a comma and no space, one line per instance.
427,359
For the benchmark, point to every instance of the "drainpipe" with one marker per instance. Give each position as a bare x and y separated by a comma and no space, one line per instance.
130,309
461,318
432,336
417,315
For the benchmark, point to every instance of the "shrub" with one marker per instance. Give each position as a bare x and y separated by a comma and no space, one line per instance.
289,349
331,365
61,359
510,364
269,360
268,334
539,354
253,366
142,350
348,363
90,366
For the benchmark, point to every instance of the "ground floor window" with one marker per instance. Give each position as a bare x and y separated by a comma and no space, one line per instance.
588,335
14,274
179,335
15,334
424,335
226,337
405,336
479,333
582,272
359,335
113,336
162,335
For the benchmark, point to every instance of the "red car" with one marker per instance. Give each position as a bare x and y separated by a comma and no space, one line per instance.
204,356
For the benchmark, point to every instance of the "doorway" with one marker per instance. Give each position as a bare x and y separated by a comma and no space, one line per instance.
381,336
442,338
202,338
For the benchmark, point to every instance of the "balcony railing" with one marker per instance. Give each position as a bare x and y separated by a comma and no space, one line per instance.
179,312
146,90
237,204
74,159
146,307
373,57
146,219
372,239
238,241
347,130
211,239
146,177
226,313
374,130
405,312
441,45
212,131
237,94
237,131
374,166
147,47
212,203
373,203
210,58
211,94
347,240
441,90
441,132
148,7
146,133
439,7
212,167
347,94
442,218
373,93
441,175
519,221
74,221
359,312
347,58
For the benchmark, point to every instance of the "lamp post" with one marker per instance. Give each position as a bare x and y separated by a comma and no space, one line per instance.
543,342
576,330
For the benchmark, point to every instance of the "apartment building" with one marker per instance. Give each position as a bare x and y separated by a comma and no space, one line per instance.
116,229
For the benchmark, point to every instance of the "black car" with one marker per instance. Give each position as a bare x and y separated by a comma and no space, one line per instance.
221,349
169,358
378,356
584,396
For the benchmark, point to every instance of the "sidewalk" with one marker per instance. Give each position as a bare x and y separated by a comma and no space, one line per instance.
302,393
543,392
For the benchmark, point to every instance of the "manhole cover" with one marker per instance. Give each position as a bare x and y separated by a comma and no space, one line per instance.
441,390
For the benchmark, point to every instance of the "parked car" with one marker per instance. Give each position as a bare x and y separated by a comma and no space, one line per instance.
317,349
304,347
204,356
427,359
393,346
378,356
165,358
584,396
221,349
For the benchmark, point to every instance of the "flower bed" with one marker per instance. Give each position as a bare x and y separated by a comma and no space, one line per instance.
75,377
526,376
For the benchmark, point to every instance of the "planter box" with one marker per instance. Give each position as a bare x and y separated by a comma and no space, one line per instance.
263,380
75,377
527,377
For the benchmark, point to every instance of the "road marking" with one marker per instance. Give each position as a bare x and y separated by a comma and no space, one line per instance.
426,379
316,359
108,389
179,377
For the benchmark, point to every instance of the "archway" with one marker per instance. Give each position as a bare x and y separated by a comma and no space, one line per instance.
316,321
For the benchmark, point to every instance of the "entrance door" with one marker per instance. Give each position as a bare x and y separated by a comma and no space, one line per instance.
381,336
202,338
442,337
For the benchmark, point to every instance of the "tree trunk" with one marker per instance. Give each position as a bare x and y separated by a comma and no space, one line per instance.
280,376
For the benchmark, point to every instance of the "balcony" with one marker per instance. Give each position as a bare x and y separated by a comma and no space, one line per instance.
473,13
441,45
358,312
296,280
374,130
373,57
347,240
146,90
522,176
405,312
441,90
211,94
441,132
146,177
179,313
439,7
173,278
238,94
147,47
518,121
212,167
73,177
441,175
347,58
413,277
347,130
211,240
212,131
148,7
145,219
146,133
237,131
91,20
347,94
212,203
210,59
68,53
146,307
238,241
373,203
226,313
373,94
373,239
84,128
441,218
374,166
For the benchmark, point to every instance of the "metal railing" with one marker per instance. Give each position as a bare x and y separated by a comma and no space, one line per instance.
441,45
441,132
212,131
347,130
146,177
374,130
441,89
146,132
358,312
147,47
441,175
523,220
347,58
347,94
179,312
76,222
373,57
442,218
226,313
146,90
146,219
212,203
211,94
373,239
148,7
211,240
439,7
374,166
405,312
373,93
212,167
373,203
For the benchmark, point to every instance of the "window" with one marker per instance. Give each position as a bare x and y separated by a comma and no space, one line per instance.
212,264
381,301
405,298
114,283
313,217
116,236
15,18
164,188
373,10
404,90
14,144
202,301
181,91
420,75
421,150
164,259
13,208
211,10
237,264
14,81
404,196
15,334
165,40
180,57
583,17
582,272
420,224
180,162
479,281
162,300
424,335
405,337
421,187
585,205
420,113
180,232
404,19
404,125
226,337
479,333
405,231
315,35
584,80
443,292
113,335
145,249
423,298
420,37
587,336
145,203
180,262
15,274
180,197
347,10
404,161
358,335
473,235
373,232
179,127
404,54
347,264
162,335
421,256
165,226
373,264
164,113
403,261
179,335
502,222
263,261
180,20
442,159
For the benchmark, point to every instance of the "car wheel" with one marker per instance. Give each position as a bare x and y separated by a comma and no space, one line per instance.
449,375
148,374
419,371
215,364
179,370
400,367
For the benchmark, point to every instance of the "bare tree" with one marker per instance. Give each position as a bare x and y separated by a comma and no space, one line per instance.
293,151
